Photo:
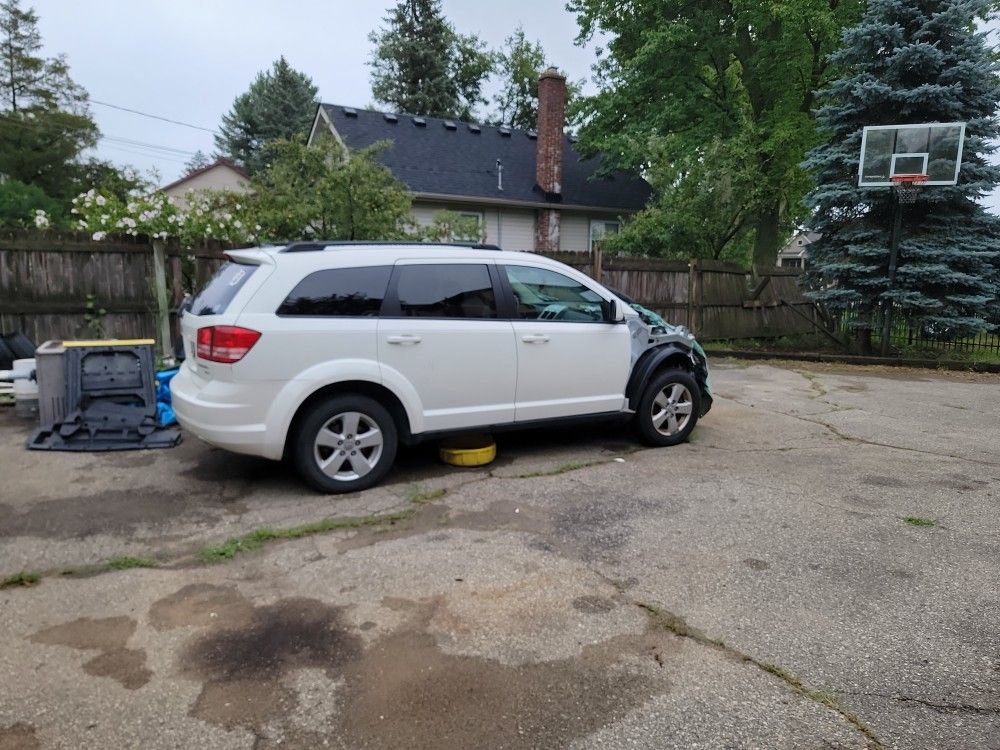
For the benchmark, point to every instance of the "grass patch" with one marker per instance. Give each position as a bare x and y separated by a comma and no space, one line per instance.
127,562
420,496
781,674
563,469
918,521
259,537
824,697
24,578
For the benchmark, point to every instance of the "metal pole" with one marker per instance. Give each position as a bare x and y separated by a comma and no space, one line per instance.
897,227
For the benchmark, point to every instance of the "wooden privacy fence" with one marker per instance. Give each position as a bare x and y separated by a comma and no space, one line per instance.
716,300
55,286
63,286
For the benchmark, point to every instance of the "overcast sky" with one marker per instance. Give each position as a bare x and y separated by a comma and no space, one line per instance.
188,59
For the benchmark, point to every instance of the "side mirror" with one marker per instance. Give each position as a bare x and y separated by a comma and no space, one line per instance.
615,312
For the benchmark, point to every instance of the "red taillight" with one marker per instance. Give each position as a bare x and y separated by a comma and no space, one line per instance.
226,344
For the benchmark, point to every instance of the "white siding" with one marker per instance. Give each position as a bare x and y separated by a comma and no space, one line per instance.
219,177
574,232
492,225
423,213
517,229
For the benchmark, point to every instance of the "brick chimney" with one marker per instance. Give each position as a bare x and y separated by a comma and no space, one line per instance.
549,155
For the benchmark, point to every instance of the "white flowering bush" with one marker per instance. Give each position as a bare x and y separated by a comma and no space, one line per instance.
42,220
207,216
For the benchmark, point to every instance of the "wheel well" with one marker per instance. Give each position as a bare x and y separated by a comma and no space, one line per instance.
675,360
378,392
649,365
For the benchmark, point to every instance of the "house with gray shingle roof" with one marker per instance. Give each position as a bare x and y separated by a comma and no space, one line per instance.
528,189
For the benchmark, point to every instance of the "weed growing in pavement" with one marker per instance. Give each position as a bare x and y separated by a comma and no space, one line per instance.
918,521
676,625
258,538
126,562
24,578
420,496
825,697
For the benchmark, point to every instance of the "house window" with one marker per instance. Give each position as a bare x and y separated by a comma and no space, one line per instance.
599,229
791,262
469,220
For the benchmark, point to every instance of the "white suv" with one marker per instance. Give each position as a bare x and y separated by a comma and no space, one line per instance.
330,354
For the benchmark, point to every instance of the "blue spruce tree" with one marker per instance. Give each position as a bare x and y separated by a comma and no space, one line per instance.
910,61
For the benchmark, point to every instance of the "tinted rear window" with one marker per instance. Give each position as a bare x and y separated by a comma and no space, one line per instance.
221,289
446,291
339,292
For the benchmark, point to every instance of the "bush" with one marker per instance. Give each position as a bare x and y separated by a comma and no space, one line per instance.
20,203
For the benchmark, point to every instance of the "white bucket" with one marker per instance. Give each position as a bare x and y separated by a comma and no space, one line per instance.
25,391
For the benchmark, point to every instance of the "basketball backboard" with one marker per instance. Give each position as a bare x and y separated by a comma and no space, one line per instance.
932,149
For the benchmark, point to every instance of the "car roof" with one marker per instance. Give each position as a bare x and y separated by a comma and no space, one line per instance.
350,253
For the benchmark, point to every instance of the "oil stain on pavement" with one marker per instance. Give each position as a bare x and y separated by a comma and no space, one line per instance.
19,736
109,636
401,690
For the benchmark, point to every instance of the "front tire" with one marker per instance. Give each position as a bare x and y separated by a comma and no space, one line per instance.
669,408
345,444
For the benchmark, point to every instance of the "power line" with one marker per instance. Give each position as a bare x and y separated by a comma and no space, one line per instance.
45,124
154,117
146,154
170,150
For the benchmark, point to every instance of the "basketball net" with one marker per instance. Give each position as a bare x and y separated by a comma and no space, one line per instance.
908,186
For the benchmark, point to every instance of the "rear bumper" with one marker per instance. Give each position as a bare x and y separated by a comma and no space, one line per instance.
232,416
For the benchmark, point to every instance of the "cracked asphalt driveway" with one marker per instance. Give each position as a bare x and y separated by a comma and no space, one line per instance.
818,568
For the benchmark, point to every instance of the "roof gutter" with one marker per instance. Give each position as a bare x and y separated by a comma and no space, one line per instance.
480,200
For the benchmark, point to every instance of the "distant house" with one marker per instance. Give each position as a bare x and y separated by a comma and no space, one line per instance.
527,189
219,175
795,253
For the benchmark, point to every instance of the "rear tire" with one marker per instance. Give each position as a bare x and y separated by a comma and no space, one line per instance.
669,408
345,443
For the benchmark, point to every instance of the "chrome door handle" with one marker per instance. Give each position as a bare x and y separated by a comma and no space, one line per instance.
404,338
535,338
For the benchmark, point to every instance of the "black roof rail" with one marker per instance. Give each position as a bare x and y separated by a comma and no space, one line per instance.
315,245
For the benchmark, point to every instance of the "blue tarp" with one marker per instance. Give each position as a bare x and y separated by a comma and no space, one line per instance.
164,406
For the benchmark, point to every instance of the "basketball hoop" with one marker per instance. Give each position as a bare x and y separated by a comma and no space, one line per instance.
907,186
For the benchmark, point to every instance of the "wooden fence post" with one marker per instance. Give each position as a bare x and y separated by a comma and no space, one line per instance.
160,291
694,296
597,261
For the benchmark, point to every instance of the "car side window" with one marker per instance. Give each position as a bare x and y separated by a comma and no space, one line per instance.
542,294
446,291
339,293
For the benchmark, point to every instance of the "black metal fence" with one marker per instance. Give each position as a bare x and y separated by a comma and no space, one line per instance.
916,334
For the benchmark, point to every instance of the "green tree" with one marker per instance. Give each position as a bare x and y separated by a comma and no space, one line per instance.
910,62
280,104
731,83
519,63
422,66
322,192
44,120
200,160
699,209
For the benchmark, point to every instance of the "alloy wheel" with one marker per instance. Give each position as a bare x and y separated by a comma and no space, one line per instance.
348,446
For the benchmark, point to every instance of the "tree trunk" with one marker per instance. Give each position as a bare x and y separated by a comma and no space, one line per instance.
864,338
768,239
